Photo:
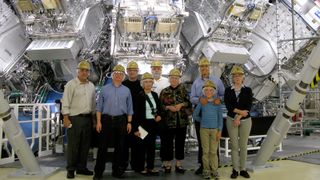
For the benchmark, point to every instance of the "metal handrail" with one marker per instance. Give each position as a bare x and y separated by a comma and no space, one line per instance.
41,117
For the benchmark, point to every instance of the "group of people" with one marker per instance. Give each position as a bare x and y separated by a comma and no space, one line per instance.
131,113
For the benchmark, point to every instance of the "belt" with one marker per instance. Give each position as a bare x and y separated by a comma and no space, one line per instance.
84,115
115,117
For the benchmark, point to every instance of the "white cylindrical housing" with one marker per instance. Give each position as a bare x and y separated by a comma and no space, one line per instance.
17,138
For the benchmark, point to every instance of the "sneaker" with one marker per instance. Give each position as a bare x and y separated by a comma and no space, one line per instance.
199,170
215,175
234,174
244,174
206,175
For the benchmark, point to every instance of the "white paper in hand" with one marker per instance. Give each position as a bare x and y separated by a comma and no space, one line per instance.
143,132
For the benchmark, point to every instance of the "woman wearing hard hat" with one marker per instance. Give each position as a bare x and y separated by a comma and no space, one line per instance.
238,101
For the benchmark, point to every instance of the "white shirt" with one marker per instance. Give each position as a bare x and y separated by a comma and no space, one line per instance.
78,98
149,114
160,84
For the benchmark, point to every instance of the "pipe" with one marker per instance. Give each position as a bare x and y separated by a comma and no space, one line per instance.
17,138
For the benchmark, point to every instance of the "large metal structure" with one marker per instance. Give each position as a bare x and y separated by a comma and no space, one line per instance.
283,121
59,33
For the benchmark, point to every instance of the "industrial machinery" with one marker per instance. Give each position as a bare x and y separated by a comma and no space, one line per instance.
48,38
41,41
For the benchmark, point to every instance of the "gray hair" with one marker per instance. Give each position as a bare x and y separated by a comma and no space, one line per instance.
142,82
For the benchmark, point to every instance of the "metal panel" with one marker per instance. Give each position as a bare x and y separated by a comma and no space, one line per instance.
194,28
12,41
227,53
54,49
90,23
263,53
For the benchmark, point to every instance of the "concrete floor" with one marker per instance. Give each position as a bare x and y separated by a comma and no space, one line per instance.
303,167
284,170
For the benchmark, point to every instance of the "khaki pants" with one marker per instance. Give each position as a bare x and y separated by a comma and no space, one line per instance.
209,147
239,140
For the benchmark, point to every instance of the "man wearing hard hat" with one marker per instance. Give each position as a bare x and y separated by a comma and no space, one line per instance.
133,83
197,97
114,118
160,82
78,107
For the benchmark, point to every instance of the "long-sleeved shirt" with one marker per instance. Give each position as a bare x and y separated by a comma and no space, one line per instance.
170,97
242,102
160,84
196,89
78,98
135,89
211,116
141,112
115,101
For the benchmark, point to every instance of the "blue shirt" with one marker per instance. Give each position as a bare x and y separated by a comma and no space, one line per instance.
114,101
196,89
211,116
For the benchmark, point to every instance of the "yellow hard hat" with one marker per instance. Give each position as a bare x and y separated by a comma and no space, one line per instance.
175,72
237,70
203,61
209,83
132,65
156,63
83,65
146,76
118,68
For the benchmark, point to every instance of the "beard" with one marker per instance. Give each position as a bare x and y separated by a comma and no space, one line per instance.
156,75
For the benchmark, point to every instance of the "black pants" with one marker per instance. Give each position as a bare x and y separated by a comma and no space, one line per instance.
147,146
197,126
179,137
161,128
113,129
131,150
79,136
136,148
